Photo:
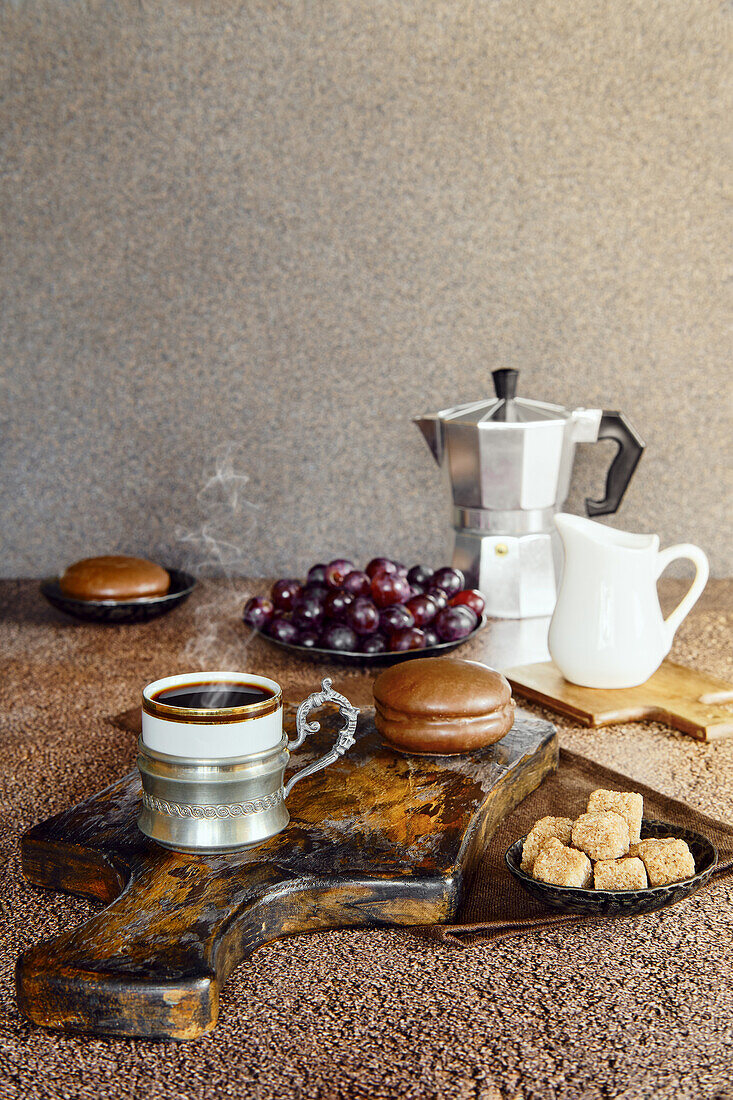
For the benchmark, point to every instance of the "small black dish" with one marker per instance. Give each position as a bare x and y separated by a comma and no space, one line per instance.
121,611
349,658
622,903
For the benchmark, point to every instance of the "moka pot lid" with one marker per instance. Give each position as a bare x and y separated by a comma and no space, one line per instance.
505,408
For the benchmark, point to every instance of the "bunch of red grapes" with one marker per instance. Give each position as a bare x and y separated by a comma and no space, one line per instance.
385,608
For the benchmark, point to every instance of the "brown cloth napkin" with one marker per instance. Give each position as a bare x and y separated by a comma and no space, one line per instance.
497,907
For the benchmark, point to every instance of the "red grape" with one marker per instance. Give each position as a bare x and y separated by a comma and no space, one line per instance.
402,640
308,638
431,636
336,570
455,623
283,630
389,588
450,580
258,611
284,593
317,574
357,583
308,610
380,565
374,643
470,597
438,595
362,616
396,617
419,575
340,637
336,604
315,588
423,609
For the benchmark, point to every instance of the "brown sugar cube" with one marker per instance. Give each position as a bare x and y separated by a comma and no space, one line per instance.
637,849
542,831
619,874
629,805
601,835
654,840
667,860
563,866
552,842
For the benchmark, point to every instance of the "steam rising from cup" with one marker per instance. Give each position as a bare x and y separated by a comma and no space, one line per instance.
209,552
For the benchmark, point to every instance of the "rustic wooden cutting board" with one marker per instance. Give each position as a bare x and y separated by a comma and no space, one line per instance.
378,838
680,697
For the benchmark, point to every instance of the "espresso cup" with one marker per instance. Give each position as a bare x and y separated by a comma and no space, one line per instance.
211,732
213,775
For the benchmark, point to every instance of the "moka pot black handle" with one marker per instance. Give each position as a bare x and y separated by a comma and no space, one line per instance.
614,425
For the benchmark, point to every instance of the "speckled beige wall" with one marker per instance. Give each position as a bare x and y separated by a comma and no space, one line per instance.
289,227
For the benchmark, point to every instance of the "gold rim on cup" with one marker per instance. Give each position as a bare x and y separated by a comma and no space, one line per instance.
216,715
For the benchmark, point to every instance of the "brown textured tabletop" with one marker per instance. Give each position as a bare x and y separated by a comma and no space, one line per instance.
629,1008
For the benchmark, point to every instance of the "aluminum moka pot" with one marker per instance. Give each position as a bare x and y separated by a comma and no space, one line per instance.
510,461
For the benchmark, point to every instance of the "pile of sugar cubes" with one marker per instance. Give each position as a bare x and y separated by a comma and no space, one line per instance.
603,848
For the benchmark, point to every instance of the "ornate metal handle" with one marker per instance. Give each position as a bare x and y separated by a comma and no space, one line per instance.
303,727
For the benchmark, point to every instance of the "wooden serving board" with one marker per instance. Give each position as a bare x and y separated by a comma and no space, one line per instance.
680,697
379,838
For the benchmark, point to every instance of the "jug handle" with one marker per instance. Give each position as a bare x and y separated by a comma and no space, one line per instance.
702,570
614,425
303,727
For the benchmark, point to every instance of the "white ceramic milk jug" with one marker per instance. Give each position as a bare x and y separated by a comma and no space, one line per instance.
607,630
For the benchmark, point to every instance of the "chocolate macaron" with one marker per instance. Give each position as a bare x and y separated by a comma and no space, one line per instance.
442,706
114,577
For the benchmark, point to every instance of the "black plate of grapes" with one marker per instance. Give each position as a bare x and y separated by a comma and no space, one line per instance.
377,615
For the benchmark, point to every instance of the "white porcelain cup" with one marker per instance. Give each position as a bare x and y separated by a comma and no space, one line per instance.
212,734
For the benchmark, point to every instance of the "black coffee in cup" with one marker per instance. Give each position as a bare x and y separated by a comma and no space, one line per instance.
214,695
